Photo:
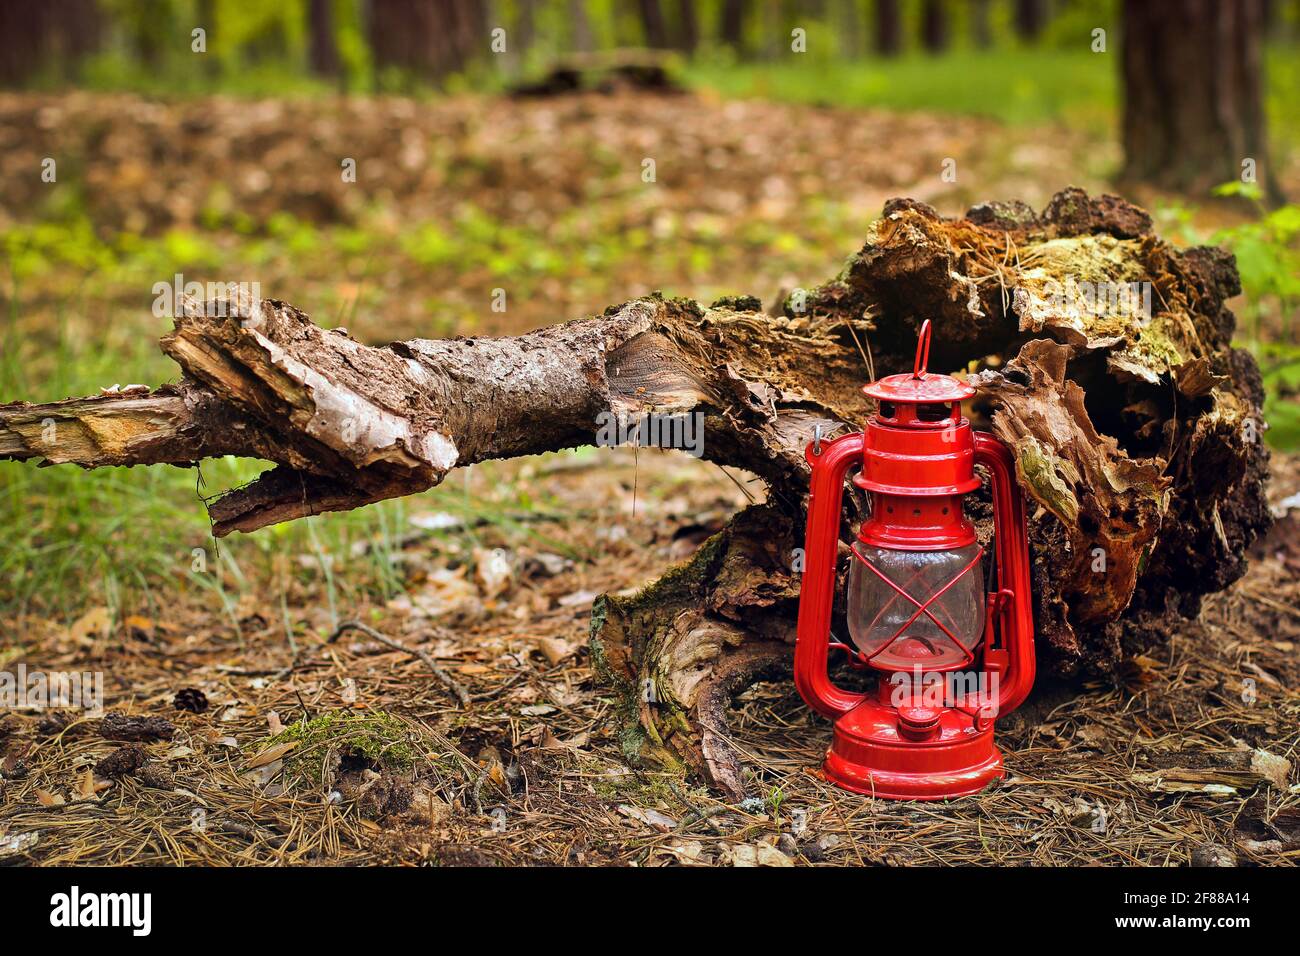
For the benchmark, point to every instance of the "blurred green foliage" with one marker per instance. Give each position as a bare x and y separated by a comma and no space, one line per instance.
1013,85
1266,246
1268,259
263,49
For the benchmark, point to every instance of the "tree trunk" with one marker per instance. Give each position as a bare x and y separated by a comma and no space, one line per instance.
1193,100
848,16
429,40
688,26
775,32
152,27
398,34
524,31
732,26
652,22
934,26
580,27
889,28
22,38
1031,15
323,51
1136,435
36,36
77,33
981,33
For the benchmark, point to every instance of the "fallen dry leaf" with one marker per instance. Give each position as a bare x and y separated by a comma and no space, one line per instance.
85,786
554,649
137,622
1271,767
493,571
577,599
758,855
651,818
687,851
1091,734
270,755
262,776
95,623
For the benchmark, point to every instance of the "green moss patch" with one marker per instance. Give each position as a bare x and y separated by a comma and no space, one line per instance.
342,739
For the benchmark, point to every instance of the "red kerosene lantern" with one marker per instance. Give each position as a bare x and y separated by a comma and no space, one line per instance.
958,652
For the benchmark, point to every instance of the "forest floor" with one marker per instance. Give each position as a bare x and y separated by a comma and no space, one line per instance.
1185,756
300,746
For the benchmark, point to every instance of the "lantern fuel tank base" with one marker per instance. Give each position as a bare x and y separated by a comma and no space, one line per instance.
876,751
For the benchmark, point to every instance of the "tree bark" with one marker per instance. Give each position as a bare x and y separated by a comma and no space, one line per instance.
1136,435
579,27
981,32
934,26
889,28
1193,95
848,20
732,25
1031,15
524,30
429,40
397,33
24,41
36,37
652,22
323,51
688,26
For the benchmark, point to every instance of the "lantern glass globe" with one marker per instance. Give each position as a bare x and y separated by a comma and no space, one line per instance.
877,611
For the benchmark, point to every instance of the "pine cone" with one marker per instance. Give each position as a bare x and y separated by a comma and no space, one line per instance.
122,761
156,776
191,699
53,722
9,724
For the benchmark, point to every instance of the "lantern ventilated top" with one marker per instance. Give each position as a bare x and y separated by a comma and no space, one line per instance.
920,387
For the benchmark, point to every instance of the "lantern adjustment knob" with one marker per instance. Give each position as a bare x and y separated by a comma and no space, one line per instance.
918,723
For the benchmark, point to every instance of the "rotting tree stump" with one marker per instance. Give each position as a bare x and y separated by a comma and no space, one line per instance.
1137,431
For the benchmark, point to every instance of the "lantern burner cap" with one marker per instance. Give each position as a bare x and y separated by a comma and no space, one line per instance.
918,723
920,387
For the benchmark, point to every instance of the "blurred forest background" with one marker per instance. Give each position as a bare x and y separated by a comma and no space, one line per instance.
408,168
502,145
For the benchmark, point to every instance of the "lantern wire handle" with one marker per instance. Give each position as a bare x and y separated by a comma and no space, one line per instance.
817,439
922,351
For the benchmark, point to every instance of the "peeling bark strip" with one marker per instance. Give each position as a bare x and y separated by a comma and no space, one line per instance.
1110,506
1136,431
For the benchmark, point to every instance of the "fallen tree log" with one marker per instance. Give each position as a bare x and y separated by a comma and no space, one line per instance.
1135,427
